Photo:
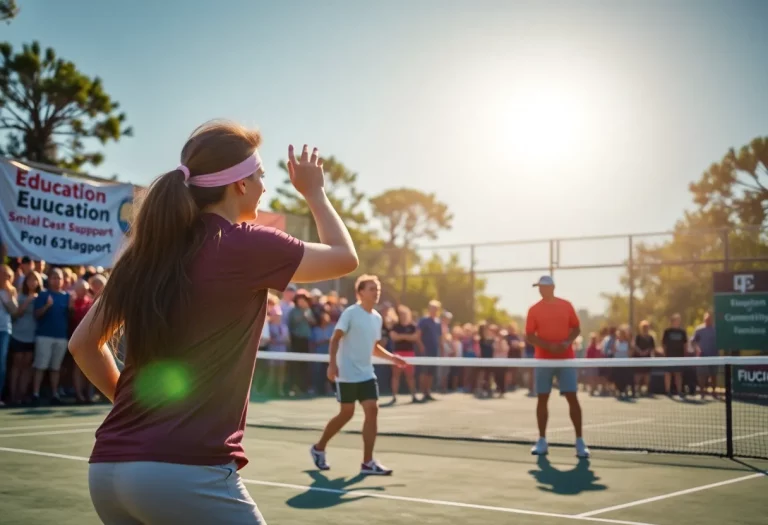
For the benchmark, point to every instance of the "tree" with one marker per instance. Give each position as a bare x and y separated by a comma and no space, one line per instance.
731,200
8,10
341,188
448,281
406,216
735,190
49,109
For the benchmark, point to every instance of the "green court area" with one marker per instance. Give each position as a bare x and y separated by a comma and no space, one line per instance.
43,453
689,426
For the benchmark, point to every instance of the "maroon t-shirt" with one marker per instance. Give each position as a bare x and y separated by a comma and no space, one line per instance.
204,425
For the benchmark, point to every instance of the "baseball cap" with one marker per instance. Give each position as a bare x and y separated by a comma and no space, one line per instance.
291,288
545,280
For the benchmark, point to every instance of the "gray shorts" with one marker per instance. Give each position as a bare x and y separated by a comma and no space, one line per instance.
149,493
567,380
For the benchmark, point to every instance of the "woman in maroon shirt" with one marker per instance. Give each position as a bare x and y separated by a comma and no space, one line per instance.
189,293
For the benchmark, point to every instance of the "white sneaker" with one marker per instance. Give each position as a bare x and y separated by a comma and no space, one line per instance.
540,448
318,457
582,451
374,468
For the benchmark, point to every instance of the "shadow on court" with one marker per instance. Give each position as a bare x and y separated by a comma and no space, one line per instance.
566,482
325,493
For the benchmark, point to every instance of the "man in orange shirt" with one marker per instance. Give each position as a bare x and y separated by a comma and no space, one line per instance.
552,326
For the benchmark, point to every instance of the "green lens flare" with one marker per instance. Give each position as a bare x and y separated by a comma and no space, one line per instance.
162,383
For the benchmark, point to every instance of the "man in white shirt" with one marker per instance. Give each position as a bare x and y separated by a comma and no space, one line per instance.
354,343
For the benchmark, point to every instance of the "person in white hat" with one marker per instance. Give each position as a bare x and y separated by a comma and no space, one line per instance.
552,326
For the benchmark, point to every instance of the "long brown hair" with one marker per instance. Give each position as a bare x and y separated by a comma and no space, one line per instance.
149,285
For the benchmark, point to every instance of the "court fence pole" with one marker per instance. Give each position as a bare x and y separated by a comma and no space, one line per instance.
728,412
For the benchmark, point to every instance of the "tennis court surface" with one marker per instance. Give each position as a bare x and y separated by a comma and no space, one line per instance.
44,451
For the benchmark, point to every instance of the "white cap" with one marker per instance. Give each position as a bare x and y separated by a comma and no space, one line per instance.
545,280
316,292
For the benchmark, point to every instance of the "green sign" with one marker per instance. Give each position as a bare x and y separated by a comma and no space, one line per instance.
741,310
750,379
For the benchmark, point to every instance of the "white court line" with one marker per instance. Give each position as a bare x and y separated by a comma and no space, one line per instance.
49,433
436,502
569,428
371,494
724,440
38,453
41,427
671,495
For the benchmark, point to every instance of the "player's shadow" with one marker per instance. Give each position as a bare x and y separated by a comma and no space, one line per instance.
325,493
566,482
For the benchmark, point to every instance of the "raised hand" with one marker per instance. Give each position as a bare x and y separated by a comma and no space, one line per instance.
306,174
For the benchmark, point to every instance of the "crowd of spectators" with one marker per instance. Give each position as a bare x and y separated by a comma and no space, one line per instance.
41,305
303,321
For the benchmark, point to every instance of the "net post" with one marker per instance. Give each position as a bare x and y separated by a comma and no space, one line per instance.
728,412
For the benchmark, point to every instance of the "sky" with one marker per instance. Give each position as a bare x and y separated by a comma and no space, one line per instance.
529,119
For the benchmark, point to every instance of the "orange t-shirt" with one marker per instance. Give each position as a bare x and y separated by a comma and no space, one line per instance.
552,321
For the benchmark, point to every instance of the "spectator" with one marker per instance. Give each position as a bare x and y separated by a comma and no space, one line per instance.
515,343
406,339
96,285
486,338
469,350
52,314
644,347
623,377
69,279
674,342
431,336
79,304
25,267
300,323
445,331
608,348
332,301
279,337
705,346
500,351
321,339
23,338
8,308
594,378
287,301
41,267
452,348
317,302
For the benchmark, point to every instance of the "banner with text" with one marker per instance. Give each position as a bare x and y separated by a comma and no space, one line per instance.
61,220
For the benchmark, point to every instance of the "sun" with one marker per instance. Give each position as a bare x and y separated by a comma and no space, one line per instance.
543,125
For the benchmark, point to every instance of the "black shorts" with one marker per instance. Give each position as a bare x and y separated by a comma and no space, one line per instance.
351,392
16,346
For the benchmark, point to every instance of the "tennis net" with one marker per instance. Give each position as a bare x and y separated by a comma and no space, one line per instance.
625,403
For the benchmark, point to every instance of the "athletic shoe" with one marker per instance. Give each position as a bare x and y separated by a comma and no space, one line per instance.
540,448
374,468
582,451
318,457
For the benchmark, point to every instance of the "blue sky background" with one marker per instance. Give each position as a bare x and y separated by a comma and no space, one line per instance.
530,119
